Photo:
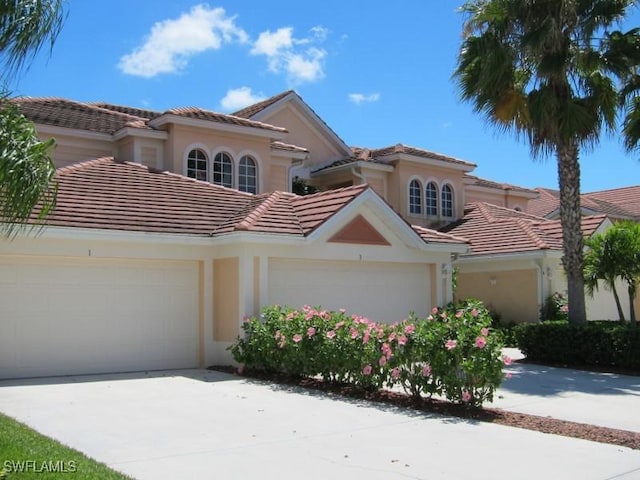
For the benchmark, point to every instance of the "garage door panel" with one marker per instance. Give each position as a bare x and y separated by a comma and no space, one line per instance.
71,316
381,291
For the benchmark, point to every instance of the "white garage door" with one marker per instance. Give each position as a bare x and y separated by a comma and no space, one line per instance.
384,292
73,316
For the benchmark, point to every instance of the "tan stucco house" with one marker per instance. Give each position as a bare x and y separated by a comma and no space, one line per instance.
171,227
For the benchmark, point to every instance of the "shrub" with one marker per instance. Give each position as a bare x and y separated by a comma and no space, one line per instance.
555,307
453,352
603,344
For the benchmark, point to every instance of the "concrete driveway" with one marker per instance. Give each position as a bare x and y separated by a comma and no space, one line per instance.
196,424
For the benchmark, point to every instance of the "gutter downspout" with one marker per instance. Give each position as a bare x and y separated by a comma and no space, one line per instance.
358,175
540,278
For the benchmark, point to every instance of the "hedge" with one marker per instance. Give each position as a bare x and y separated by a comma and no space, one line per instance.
601,344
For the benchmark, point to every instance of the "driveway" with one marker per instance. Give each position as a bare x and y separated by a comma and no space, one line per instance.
196,424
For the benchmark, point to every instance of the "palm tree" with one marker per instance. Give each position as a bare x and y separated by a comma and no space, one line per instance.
602,263
26,168
549,70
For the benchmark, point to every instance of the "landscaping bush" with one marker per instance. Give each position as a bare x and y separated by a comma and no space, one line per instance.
453,352
602,344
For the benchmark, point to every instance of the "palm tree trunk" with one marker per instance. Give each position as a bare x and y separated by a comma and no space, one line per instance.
632,299
618,304
570,218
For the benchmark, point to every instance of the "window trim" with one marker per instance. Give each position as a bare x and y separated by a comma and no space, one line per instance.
433,182
420,205
256,176
442,200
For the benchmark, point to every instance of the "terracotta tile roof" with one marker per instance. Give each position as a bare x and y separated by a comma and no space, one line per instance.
69,114
288,147
618,203
429,236
380,153
251,110
483,182
137,112
110,195
313,210
105,118
201,114
494,230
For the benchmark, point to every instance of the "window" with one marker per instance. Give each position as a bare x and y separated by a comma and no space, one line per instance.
447,201
223,170
197,165
415,198
248,175
432,199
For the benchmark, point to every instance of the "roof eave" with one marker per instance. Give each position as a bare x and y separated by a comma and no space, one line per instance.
43,128
453,165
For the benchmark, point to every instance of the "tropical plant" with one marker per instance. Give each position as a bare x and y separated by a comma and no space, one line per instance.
614,255
553,72
26,167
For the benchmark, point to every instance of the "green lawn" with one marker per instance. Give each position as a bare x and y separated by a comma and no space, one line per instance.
40,457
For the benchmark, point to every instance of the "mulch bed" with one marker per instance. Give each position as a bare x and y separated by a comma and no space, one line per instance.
553,426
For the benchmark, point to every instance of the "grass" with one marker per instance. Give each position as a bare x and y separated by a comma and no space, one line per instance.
41,457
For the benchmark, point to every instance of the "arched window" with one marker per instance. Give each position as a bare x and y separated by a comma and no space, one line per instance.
432,199
415,198
223,170
248,175
447,201
197,165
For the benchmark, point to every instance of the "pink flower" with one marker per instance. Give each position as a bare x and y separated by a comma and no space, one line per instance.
354,333
297,337
402,340
283,341
426,370
459,313
380,333
246,319
365,337
507,375
342,310
277,335
311,331
506,359
466,396
480,342
392,336
409,329
331,334
395,373
451,344
383,361
564,309
474,313
339,324
386,350
484,332
367,370
434,310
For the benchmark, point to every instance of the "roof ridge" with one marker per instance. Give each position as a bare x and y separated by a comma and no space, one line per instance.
527,227
81,165
256,213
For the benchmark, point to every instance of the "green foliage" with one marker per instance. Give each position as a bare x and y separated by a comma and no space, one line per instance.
603,344
554,307
26,171
299,186
613,255
453,352
25,27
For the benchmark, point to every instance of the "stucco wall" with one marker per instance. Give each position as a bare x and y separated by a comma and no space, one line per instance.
512,294
226,298
71,150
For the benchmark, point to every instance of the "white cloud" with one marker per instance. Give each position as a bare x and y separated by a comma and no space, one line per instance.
172,42
359,98
238,98
300,58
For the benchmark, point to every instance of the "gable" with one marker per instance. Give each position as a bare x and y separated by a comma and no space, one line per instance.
304,128
359,231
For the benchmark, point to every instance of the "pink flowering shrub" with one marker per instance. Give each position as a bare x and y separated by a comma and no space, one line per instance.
453,352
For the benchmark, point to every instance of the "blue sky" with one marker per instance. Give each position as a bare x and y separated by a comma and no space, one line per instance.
378,72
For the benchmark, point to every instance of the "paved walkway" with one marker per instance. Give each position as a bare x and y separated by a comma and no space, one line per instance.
195,424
